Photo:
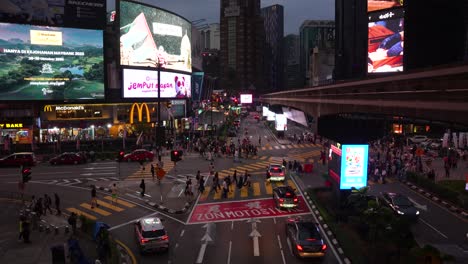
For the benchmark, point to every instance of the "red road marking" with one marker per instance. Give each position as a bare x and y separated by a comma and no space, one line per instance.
237,210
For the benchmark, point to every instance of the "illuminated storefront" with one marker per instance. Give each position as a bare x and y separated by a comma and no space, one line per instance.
18,132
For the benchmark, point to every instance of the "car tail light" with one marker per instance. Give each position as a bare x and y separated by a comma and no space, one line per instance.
143,241
311,239
281,174
299,247
296,200
281,200
324,246
165,237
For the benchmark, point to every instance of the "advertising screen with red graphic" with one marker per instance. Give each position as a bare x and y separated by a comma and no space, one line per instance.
144,84
238,210
375,5
149,35
386,41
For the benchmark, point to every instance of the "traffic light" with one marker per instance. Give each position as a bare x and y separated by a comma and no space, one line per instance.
121,156
176,155
26,173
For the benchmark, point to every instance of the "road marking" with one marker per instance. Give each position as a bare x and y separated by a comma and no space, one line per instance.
282,256
217,194
182,233
201,253
97,210
244,192
97,173
229,253
132,256
131,221
256,188
440,233
120,201
417,205
232,225
291,183
79,212
205,194
110,206
279,241
232,193
98,168
269,188
274,220
289,246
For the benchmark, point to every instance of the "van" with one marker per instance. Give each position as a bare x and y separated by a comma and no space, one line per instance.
18,159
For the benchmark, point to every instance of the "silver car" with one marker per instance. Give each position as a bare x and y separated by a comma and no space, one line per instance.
276,173
151,235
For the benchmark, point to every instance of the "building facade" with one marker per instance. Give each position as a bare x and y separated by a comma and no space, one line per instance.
317,47
211,37
242,39
292,75
273,21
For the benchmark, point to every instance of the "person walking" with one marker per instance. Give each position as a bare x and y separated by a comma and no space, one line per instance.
26,230
215,183
234,177
201,185
197,177
225,189
228,182
57,204
143,187
93,198
72,221
47,204
114,193
152,171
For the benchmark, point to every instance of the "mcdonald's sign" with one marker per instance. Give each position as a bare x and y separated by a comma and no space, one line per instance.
47,108
140,108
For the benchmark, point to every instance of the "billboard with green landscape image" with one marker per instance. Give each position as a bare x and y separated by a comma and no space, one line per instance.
50,63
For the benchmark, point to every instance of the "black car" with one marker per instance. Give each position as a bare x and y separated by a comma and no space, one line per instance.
305,238
400,204
285,197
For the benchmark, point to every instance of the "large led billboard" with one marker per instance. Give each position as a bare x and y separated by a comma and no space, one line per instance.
150,35
50,63
144,84
281,122
246,99
375,5
354,166
386,41
58,13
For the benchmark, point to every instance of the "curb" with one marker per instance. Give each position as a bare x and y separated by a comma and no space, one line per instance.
327,229
451,207
155,205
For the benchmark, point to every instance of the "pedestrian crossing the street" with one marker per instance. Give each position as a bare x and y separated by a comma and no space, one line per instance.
258,188
106,208
146,174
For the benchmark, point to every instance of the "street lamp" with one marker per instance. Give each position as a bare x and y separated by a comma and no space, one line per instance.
158,127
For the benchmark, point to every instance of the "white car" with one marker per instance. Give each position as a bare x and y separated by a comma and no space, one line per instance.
276,172
151,235
418,139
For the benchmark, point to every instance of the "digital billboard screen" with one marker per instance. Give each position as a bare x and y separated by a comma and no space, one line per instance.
50,63
281,122
144,84
386,41
354,166
245,98
149,35
375,5
58,13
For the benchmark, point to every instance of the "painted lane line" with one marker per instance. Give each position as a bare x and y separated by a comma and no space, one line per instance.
201,253
282,256
182,233
229,253
256,247
130,222
99,168
440,233
176,245
274,220
279,242
289,246
232,225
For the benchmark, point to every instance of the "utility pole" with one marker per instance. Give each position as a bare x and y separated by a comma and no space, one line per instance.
158,127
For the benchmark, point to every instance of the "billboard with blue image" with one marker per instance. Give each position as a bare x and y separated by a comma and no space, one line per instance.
354,160
50,63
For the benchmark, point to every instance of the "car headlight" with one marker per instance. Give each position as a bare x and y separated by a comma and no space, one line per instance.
417,212
400,212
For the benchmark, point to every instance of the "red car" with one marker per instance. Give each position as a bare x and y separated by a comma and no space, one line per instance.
139,155
67,158
19,159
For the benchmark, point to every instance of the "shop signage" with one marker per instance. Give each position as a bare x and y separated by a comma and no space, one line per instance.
47,108
11,125
258,208
69,107
140,108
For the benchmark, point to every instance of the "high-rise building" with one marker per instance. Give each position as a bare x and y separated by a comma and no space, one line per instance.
211,37
273,21
317,48
351,39
292,75
242,39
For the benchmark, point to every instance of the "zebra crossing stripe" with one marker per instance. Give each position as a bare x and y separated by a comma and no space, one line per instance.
95,209
79,212
289,146
277,147
283,147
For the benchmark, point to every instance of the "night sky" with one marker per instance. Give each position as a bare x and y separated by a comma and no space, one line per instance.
295,11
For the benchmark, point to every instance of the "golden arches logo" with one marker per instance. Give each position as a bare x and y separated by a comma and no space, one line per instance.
47,108
140,108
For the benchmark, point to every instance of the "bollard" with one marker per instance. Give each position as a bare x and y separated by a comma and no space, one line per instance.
67,229
56,229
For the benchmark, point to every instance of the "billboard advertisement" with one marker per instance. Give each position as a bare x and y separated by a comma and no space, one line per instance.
354,166
245,98
265,111
50,63
57,13
386,41
197,85
281,122
375,5
149,35
144,84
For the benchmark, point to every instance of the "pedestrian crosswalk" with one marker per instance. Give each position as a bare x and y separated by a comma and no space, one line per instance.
258,188
74,181
106,208
146,174
291,146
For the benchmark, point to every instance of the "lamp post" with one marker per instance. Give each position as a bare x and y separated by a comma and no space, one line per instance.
158,127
